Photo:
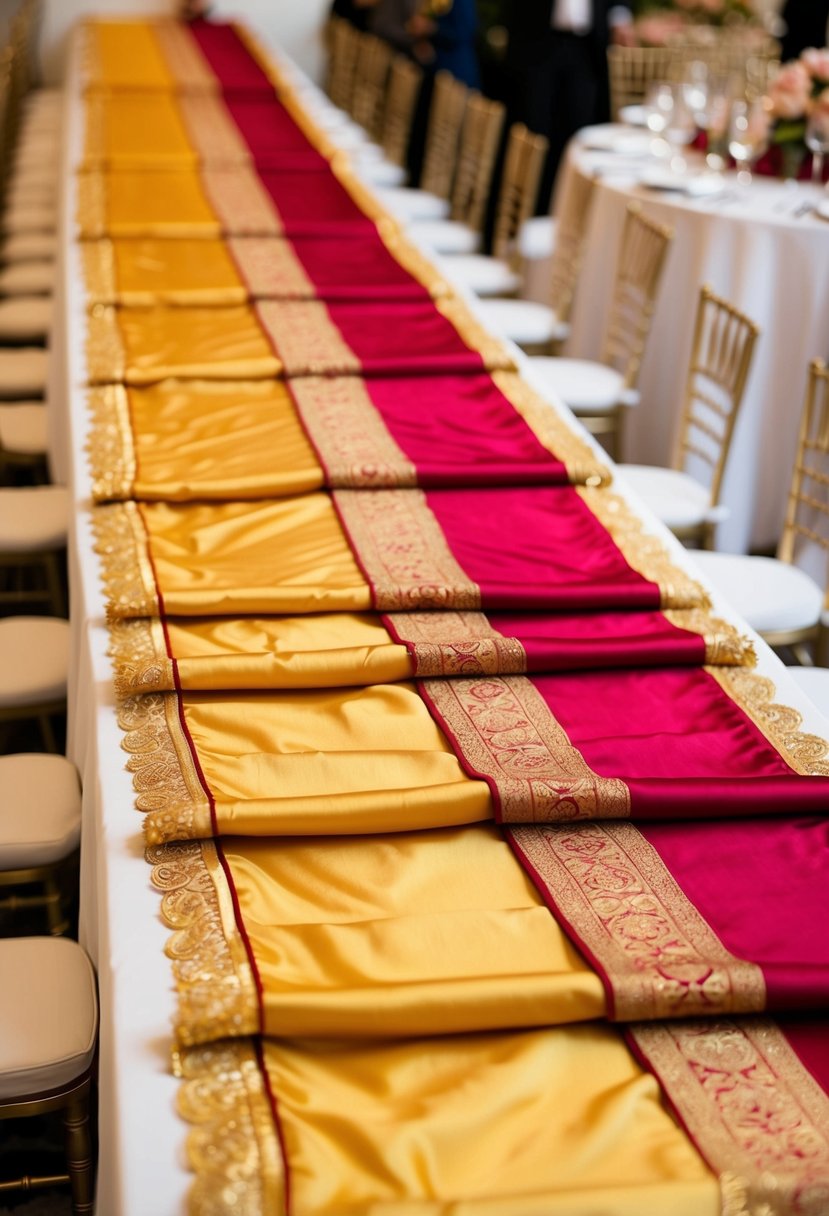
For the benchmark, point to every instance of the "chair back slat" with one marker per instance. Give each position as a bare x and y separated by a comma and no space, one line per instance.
443,133
520,181
807,509
405,81
482,125
372,69
572,215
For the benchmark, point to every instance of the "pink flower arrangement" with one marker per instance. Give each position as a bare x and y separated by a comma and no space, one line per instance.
791,91
800,89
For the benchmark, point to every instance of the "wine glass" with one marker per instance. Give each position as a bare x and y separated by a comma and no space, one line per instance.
680,128
659,103
747,134
817,141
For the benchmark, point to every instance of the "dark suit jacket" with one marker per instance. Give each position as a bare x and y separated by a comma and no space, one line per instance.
529,28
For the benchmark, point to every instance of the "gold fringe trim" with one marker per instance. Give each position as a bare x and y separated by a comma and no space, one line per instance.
756,1114
548,426
644,553
182,57
210,129
233,1148
806,754
724,645
95,150
106,357
493,352
305,339
91,217
217,995
98,258
139,657
126,573
660,956
457,644
110,444
412,260
240,202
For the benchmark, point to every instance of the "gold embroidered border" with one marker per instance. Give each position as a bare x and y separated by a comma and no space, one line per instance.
401,547
270,268
211,130
348,432
306,340
258,52
644,553
407,255
182,56
507,733
110,443
233,1148
139,657
724,645
91,217
165,780
94,129
458,644
759,1118
806,754
492,350
217,995
240,201
126,572
660,957
551,430
98,259
106,358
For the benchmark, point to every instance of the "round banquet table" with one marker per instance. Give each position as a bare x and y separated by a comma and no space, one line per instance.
756,245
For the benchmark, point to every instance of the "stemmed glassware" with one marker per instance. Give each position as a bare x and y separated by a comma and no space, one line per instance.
747,134
817,141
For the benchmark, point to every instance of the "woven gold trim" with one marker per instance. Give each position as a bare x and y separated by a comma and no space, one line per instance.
403,551
217,995
413,261
182,56
110,444
348,432
98,258
305,339
317,138
211,130
659,956
165,780
260,53
95,150
89,55
458,644
126,572
233,1148
724,645
758,1117
240,201
493,352
806,754
91,216
106,358
139,657
270,268
583,468
505,730
644,553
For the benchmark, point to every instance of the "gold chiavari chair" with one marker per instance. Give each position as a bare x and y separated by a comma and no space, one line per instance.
343,50
405,81
778,596
632,71
686,496
374,59
599,392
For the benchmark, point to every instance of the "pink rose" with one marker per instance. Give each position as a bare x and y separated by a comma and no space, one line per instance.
659,30
790,92
712,6
816,63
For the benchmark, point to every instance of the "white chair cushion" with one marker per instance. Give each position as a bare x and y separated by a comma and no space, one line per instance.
48,1014
31,192
24,428
29,219
771,595
674,497
28,247
42,176
40,810
446,236
477,273
36,148
34,660
25,318
584,386
382,172
409,204
33,518
28,279
526,323
23,373
537,237
814,681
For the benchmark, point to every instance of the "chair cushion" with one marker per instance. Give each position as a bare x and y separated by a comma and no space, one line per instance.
23,218
477,273
674,497
40,811
24,428
409,204
446,236
814,681
33,518
27,279
31,191
25,318
28,247
34,660
537,237
23,373
771,595
48,1014
382,172
526,323
585,386
42,176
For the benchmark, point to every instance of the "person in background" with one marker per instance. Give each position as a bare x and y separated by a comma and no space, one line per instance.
355,11
389,20
805,22
444,33
556,63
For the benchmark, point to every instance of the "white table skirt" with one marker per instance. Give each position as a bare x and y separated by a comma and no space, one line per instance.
142,1169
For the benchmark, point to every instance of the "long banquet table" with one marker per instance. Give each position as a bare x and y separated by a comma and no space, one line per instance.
142,1165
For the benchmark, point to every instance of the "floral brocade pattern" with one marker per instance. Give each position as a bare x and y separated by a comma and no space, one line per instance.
110,447
457,644
126,573
184,60
138,657
725,646
305,339
240,201
270,267
755,694
211,130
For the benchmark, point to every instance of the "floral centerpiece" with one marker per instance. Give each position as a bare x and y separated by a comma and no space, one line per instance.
800,89
663,22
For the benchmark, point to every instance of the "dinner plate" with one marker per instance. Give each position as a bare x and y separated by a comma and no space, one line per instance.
618,140
695,185
634,116
822,209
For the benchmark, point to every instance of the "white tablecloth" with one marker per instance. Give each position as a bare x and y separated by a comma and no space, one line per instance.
142,1170
752,249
